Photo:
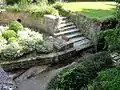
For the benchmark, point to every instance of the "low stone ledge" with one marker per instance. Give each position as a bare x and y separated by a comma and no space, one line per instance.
45,59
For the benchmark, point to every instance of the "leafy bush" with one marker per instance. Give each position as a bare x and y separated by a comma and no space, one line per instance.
80,74
63,12
14,8
10,52
106,80
42,2
51,1
45,47
11,2
38,11
12,39
15,44
23,4
3,43
109,40
58,5
16,26
9,33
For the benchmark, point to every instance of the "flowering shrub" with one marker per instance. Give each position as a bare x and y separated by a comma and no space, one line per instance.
15,44
45,47
11,51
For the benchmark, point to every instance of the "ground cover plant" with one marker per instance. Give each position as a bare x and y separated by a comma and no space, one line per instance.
15,41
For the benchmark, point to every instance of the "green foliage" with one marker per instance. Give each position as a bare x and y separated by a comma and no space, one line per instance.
1,36
80,74
14,8
38,11
9,34
16,26
42,2
11,2
24,42
106,80
51,1
118,12
59,6
23,4
10,52
45,47
12,39
109,40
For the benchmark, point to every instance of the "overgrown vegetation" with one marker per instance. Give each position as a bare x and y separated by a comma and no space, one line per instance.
12,2
39,9
80,74
109,40
106,80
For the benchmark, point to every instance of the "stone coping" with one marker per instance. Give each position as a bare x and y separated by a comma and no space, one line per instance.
43,59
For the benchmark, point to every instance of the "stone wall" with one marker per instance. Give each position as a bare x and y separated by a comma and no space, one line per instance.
48,23
89,27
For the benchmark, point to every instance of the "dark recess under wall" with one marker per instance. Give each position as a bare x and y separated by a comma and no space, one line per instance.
109,24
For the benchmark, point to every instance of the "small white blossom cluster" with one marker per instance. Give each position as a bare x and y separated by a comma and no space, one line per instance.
27,41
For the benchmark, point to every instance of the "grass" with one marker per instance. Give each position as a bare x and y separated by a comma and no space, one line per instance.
99,10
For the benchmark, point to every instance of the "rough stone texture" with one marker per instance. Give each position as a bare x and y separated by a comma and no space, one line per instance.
89,27
51,23
41,80
36,60
48,23
6,83
31,73
60,44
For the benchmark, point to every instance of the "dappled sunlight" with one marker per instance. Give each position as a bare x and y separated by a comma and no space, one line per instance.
79,6
98,13
99,10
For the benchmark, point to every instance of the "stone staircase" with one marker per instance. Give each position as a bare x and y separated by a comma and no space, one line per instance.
68,32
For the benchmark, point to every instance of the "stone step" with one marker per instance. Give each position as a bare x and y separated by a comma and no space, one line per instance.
63,21
83,46
67,28
84,41
76,39
76,34
66,32
66,24
116,58
63,18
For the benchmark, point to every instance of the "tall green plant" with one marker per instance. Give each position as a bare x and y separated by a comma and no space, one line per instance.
23,3
118,12
42,2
